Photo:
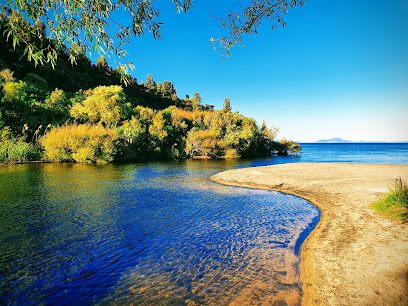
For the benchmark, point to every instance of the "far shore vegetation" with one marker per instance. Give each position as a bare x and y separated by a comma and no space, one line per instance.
394,203
83,113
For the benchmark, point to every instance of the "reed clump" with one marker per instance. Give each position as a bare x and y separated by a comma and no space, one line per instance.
86,143
14,149
395,202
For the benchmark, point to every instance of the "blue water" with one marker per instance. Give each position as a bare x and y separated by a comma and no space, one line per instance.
371,153
156,233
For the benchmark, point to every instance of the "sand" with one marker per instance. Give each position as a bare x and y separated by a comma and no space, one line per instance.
354,256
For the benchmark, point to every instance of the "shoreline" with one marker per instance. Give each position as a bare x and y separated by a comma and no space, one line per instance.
353,256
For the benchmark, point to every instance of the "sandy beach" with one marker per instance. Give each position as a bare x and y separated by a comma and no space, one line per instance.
353,256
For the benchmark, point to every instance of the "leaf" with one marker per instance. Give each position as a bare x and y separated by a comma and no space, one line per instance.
14,41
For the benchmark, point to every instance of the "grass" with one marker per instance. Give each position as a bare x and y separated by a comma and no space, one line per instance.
15,149
394,203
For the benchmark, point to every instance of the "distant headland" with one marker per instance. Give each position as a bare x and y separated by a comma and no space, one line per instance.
333,140
340,140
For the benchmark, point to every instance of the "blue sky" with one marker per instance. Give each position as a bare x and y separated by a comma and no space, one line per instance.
339,68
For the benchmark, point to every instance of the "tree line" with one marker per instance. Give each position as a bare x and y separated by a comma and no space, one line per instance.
84,113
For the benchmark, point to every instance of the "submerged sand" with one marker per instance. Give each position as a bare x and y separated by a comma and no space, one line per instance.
353,256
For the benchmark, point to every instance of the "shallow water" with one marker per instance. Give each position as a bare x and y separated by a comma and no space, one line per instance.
156,233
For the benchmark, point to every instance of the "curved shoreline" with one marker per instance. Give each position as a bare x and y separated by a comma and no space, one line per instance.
353,256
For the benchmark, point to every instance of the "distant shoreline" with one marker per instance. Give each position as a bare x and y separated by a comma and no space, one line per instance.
354,142
353,256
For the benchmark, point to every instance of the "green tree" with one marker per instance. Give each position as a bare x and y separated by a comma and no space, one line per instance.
196,102
15,92
105,104
266,141
37,87
102,64
166,89
135,135
162,135
159,88
227,105
150,82
14,105
57,101
159,128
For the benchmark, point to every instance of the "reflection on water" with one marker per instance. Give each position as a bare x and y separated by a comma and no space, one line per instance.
158,233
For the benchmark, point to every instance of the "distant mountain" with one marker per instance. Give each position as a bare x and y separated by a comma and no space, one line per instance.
333,140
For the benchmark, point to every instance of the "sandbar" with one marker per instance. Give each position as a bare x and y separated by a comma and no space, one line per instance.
353,256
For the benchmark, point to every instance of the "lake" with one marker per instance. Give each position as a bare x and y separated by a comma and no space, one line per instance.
157,232
373,153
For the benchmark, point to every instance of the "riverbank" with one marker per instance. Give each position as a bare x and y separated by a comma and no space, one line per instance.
353,256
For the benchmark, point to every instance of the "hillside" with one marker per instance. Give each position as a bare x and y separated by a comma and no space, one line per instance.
333,140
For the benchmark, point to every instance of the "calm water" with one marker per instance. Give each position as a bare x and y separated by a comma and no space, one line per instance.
158,233
372,153
155,233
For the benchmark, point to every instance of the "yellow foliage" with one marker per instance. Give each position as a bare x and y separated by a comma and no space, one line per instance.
144,113
231,154
6,75
203,143
81,143
14,91
157,128
291,146
104,104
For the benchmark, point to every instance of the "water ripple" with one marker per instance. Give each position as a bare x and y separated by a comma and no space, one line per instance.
146,234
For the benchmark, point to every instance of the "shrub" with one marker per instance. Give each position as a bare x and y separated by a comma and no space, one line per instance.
81,143
291,146
204,143
231,154
15,149
395,202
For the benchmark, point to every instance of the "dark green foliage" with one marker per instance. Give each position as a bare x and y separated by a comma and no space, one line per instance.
37,87
39,82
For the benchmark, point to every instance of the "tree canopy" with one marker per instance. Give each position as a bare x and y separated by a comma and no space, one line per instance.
95,25
81,112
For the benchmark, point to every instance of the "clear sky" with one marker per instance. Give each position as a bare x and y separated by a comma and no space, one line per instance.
339,68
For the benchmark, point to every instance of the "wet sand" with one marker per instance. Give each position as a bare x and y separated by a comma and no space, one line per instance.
353,256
